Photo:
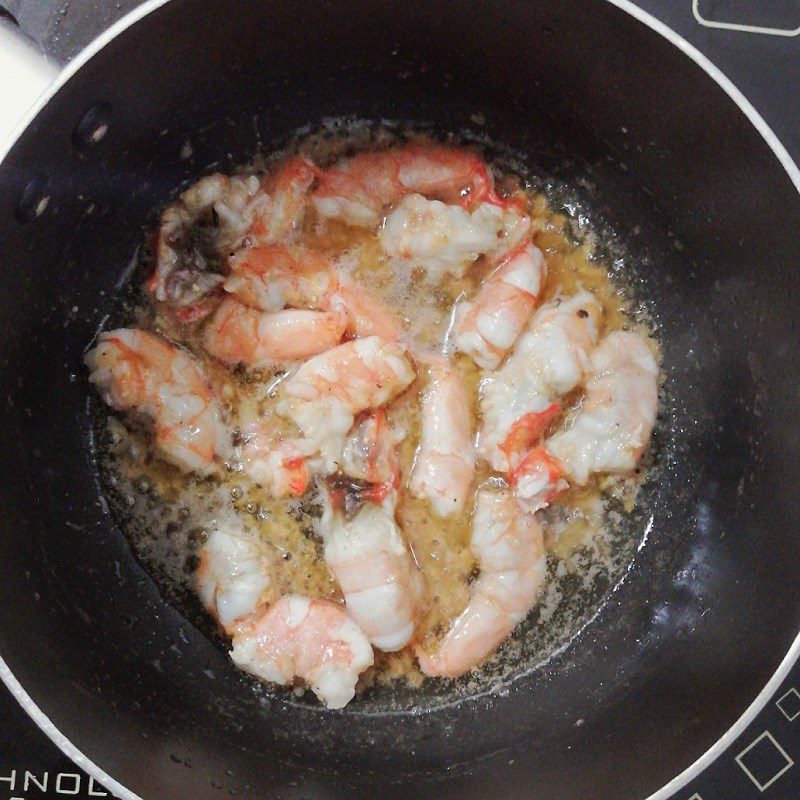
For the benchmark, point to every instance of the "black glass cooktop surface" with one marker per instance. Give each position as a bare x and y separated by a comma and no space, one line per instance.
756,43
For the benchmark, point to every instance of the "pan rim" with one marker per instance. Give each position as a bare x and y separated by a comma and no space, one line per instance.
64,744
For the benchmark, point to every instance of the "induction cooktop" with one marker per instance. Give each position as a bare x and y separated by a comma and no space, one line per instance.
756,43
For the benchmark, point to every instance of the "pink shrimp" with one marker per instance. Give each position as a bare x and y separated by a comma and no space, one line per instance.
358,189
489,326
367,314
207,221
276,276
233,577
521,399
313,640
273,277
381,584
238,334
441,238
278,463
138,371
509,549
212,219
609,433
280,206
328,391
445,460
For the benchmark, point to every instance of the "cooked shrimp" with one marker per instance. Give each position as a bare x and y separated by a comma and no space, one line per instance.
282,465
238,334
313,640
138,371
489,326
611,430
208,220
279,209
214,217
445,460
328,391
441,238
276,276
446,173
367,314
358,189
520,401
233,576
376,572
509,549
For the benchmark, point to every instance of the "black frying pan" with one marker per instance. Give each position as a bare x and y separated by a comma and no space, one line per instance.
708,215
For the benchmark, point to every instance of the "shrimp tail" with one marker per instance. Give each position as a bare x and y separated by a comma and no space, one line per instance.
482,190
378,492
347,495
297,474
198,311
528,430
538,479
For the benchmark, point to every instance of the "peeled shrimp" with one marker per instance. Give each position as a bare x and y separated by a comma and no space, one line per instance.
279,208
441,238
489,326
376,572
238,334
276,276
328,391
138,371
509,549
519,401
233,577
445,460
294,637
314,640
215,217
367,314
277,463
208,220
358,189
611,430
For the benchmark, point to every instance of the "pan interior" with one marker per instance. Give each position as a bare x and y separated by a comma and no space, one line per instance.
706,219
164,536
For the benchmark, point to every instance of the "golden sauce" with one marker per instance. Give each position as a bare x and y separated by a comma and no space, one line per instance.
289,527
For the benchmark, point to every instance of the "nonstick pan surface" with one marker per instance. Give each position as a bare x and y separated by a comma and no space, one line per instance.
703,214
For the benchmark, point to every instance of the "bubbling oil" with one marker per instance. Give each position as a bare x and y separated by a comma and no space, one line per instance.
167,514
